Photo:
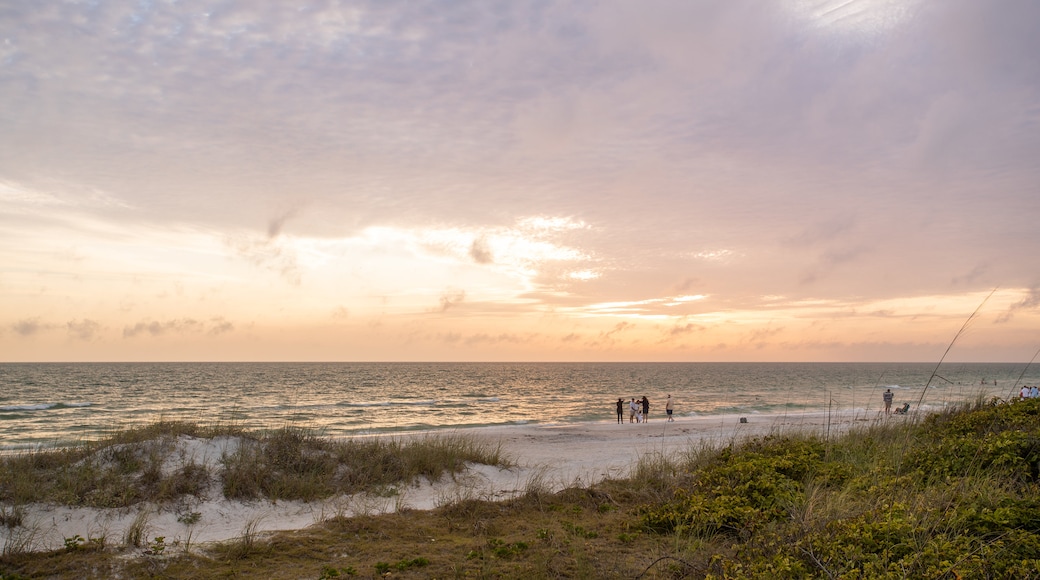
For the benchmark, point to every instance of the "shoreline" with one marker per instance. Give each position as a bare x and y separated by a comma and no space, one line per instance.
550,457
721,421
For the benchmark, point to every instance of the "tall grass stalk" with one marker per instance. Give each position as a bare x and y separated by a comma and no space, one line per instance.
916,416
949,347
136,533
21,539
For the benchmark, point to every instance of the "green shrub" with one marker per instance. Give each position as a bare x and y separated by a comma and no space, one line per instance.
955,496
742,490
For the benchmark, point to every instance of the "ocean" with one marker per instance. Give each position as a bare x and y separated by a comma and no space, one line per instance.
60,403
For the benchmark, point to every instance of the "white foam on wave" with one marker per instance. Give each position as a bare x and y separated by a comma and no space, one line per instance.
36,407
41,406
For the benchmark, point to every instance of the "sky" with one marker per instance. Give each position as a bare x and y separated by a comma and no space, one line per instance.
679,180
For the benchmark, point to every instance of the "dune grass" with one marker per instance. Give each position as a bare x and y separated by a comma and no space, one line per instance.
952,495
295,464
133,466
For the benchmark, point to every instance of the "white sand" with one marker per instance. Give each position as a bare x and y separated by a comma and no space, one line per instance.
548,456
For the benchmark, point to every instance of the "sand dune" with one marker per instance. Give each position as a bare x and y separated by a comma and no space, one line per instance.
550,456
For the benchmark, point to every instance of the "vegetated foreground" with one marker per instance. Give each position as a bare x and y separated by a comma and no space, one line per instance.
952,496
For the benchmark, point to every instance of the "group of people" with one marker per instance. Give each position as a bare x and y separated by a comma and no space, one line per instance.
639,410
1029,392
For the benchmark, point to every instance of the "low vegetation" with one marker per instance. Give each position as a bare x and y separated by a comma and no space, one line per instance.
134,466
954,495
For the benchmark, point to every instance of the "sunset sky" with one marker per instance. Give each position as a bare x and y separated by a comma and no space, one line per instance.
716,180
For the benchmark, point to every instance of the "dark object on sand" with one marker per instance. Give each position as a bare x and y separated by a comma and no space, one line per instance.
743,419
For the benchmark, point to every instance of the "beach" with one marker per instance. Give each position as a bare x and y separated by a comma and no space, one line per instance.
60,404
547,456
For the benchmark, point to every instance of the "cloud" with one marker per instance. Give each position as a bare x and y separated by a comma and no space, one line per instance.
687,284
179,326
976,273
683,329
831,260
484,338
451,298
30,326
274,227
218,326
824,231
762,337
617,329
272,254
738,148
480,252
1031,301
85,329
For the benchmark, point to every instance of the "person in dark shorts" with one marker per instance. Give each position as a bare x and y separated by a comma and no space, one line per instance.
668,408
646,409
620,411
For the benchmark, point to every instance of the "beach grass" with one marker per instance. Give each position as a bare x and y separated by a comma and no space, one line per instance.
133,466
954,494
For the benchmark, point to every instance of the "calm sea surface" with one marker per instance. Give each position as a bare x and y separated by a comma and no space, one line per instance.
53,404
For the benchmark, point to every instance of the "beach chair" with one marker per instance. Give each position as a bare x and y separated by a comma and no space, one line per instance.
903,410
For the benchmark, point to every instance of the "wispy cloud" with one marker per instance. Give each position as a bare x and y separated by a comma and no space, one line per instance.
85,329
450,299
1030,302
178,326
27,327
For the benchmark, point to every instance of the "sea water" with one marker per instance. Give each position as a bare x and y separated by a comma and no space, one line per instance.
59,403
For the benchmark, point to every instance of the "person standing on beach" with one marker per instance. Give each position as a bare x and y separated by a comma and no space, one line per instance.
633,408
620,410
887,398
668,408
646,409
